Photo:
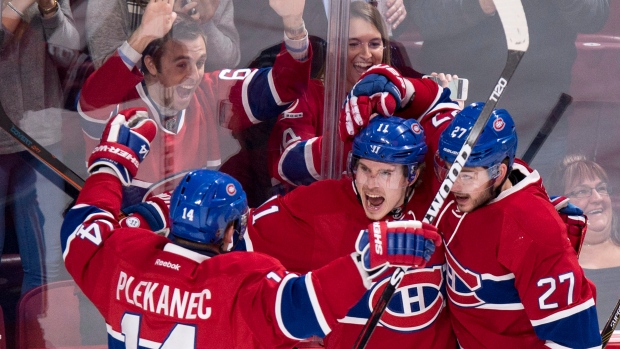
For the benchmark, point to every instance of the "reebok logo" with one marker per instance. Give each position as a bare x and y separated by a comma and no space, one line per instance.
167,264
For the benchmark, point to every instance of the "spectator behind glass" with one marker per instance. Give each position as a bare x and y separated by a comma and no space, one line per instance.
467,38
586,184
184,100
32,96
111,22
295,142
258,29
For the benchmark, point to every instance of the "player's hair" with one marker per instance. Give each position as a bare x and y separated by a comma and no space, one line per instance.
184,28
370,14
575,168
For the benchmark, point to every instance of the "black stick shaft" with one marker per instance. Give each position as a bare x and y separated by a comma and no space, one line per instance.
552,119
76,182
611,324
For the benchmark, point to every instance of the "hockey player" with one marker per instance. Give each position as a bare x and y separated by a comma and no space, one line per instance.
512,275
313,225
183,292
185,101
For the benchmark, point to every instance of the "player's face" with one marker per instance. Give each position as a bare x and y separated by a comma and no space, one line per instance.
181,70
365,49
381,187
596,205
473,188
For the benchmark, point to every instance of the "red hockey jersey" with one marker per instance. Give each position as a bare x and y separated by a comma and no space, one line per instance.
155,294
315,224
512,275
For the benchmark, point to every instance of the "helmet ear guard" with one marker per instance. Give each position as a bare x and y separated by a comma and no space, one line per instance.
204,204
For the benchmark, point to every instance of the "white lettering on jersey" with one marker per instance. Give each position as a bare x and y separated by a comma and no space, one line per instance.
289,137
168,264
376,231
91,233
436,122
237,74
167,300
287,115
272,209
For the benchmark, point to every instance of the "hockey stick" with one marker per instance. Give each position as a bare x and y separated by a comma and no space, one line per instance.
517,37
611,324
38,151
546,129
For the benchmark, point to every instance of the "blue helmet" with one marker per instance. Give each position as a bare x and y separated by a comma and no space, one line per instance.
204,203
497,141
391,140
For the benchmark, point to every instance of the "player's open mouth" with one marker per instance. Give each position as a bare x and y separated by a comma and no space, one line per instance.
461,199
374,202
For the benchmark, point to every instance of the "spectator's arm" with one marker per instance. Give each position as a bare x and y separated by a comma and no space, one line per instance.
223,43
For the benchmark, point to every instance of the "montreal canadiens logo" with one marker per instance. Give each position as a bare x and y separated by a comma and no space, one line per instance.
230,189
132,222
417,302
416,129
499,124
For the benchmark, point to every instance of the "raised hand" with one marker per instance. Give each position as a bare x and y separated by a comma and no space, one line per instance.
207,8
156,22
190,8
125,142
396,244
291,12
396,13
380,90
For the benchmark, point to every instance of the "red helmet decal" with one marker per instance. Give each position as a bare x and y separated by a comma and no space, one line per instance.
416,129
499,124
230,189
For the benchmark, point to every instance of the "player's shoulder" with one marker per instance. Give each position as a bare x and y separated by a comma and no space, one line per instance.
257,262
324,195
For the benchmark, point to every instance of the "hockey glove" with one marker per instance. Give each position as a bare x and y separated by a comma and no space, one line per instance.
153,214
396,244
381,89
575,220
126,140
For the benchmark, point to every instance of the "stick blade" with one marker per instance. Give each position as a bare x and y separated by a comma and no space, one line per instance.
514,23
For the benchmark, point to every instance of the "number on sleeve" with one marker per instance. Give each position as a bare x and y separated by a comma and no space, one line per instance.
289,137
547,294
570,277
272,209
90,232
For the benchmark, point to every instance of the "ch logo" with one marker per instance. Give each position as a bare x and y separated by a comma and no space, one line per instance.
375,149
